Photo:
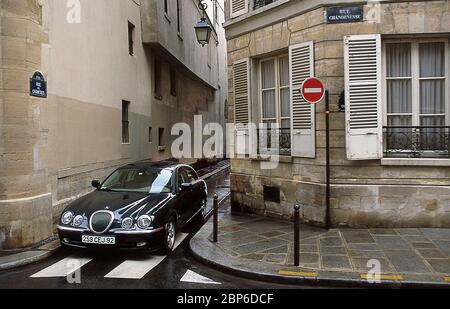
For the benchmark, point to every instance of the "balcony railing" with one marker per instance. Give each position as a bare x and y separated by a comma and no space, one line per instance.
417,142
260,3
274,141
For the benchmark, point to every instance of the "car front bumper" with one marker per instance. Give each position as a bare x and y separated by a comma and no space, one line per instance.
125,240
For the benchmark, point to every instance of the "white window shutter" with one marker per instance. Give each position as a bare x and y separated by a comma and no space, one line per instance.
363,109
238,8
303,133
241,86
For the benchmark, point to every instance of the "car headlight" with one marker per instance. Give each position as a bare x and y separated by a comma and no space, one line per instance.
67,217
144,222
78,220
127,223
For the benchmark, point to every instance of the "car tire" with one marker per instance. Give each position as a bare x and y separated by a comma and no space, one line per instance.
170,233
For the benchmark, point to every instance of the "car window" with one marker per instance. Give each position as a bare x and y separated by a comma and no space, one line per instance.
145,180
191,175
182,176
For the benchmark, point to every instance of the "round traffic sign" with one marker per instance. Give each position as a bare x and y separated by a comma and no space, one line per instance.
313,90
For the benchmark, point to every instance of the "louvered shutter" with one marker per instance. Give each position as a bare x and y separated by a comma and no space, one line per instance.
238,8
363,97
303,134
241,86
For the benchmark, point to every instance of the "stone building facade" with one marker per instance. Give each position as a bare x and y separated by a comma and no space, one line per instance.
390,163
119,74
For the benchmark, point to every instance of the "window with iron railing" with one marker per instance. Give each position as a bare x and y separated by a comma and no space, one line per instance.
261,3
417,122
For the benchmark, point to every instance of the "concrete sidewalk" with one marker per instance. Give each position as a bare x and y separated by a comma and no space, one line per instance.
262,248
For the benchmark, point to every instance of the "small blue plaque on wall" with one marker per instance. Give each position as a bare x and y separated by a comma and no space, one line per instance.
38,86
348,14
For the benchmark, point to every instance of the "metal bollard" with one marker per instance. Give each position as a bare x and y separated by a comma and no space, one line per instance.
215,217
297,235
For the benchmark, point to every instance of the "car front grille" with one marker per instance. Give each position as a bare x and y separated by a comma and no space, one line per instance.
101,221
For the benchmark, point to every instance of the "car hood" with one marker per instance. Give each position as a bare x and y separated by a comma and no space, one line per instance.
122,204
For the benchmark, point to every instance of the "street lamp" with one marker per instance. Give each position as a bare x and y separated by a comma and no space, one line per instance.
203,29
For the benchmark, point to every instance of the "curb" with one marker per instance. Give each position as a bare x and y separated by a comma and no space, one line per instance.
28,257
207,253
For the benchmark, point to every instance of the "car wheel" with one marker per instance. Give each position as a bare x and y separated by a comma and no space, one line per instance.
169,236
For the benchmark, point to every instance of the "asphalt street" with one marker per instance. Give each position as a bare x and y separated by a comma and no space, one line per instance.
75,269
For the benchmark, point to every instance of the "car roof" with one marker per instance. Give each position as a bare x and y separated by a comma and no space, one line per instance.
166,164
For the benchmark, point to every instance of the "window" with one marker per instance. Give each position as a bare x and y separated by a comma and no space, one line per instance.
131,28
179,16
416,98
150,138
125,122
275,98
158,79
161,137
173,82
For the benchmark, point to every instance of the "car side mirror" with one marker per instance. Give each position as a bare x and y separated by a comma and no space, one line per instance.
96,184
186,187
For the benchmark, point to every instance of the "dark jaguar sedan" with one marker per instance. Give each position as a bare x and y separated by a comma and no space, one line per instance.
139,206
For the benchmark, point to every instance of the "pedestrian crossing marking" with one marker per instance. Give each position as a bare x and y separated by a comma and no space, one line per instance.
137,269
63,268
193,277
297,273
382,277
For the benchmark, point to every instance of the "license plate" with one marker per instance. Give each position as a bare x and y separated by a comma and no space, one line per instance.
98,240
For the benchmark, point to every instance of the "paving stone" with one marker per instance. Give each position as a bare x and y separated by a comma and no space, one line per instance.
431,253
282,249
309,241
336,262
367,254
423,245
383,232
412,238
440,265
392,243
365,247
325,250
271,234
259,246
241,241
444,245
330,241
410,232
407,261
309,248
437,234
253,256
276,258
357,236
360,264
230,229
305,258
236,235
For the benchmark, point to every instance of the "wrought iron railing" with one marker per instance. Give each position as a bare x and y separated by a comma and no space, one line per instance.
274,141
260,3
417,142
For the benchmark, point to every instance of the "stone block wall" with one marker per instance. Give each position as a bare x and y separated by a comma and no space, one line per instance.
364,193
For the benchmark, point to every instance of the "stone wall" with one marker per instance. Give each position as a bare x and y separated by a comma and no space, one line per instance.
25,204
364,193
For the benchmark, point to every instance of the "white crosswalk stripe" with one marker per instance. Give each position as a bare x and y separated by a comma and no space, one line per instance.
137,269
193,277
129,269
63,268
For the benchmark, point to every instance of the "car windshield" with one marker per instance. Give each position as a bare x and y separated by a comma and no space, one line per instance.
145,180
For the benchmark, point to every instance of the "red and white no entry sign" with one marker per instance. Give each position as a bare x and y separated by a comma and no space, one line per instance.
313,90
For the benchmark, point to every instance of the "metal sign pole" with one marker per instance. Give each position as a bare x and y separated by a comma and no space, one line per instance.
327,132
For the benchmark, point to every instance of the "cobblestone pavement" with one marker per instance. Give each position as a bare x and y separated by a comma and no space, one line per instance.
417,254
